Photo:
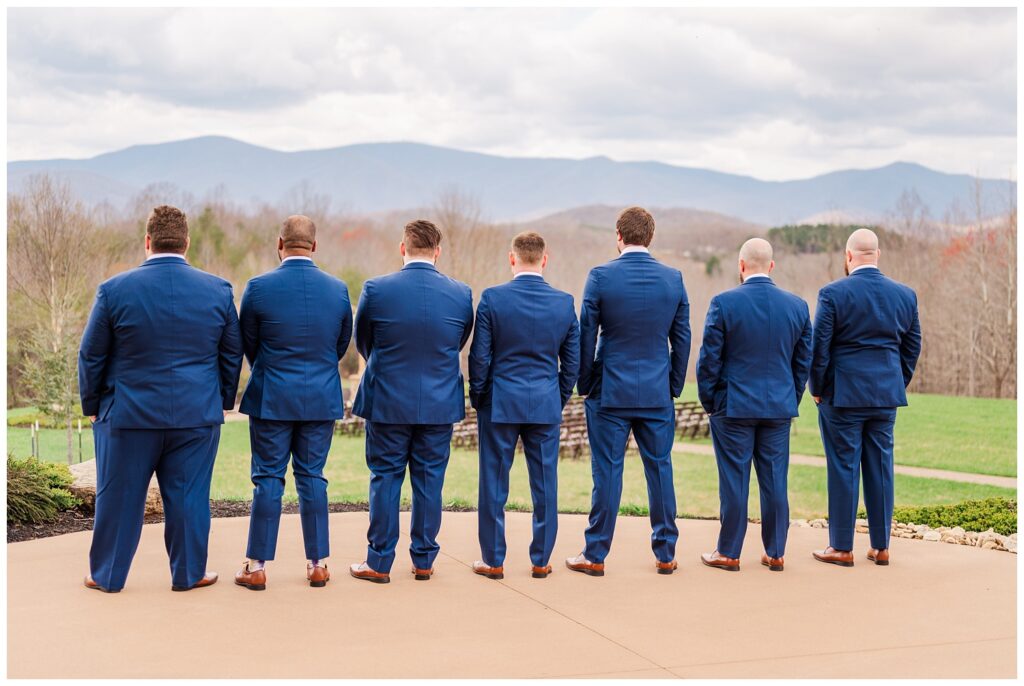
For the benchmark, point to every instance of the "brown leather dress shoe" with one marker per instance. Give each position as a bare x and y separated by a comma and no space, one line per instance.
360,570
540,572
317,576
719,561
422,574
879,557
666,567
581,564
90,584
483,569
254,581
774,564
843,558
209,579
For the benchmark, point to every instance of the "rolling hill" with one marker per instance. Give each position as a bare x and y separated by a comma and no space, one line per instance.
377,177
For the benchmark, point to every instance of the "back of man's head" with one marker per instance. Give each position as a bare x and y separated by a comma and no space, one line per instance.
528,247
635,226
862,242
422,238
298,233
756,255
167,229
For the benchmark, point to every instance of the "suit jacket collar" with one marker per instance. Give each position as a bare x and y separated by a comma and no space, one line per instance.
758,280
638,255
870,273
165,259
289,264
419,265
529,278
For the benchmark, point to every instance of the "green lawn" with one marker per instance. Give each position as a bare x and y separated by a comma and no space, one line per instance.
977,435
696,479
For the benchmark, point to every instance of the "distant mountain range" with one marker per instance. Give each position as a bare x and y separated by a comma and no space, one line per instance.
377,177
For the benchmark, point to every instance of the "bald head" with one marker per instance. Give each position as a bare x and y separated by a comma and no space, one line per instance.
755,258
298,236
861,249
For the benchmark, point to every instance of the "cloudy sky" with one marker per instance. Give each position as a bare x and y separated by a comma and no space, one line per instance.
776,94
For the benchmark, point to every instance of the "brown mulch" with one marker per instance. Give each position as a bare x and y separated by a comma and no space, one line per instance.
81,518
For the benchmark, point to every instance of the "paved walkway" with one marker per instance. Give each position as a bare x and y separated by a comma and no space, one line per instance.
815,461
938,611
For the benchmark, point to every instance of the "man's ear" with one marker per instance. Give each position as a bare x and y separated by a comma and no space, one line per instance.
188,242
511,259
280,244
771,266
401,248
313,249
437,253
148,243
544,261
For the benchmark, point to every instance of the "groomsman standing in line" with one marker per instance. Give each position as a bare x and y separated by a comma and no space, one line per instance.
630,379
410,326
751,374
523,365
296,325
867,339
157,369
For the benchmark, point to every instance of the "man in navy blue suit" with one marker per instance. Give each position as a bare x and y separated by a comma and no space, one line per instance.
867,338
630,379
523,365
751,374
296,325
157,369
410,327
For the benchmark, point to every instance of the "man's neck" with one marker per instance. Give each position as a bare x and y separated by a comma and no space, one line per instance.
410,259
866,265
755,275
527,272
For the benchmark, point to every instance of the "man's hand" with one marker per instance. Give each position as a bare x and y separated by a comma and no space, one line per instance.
817,399
93,418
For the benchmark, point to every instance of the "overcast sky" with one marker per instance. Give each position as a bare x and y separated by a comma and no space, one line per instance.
775,94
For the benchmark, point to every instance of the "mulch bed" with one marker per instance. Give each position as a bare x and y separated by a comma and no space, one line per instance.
81,518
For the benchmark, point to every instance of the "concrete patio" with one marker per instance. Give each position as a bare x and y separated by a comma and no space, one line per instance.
938,611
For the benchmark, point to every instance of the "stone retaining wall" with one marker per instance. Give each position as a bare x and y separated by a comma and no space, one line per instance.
943,534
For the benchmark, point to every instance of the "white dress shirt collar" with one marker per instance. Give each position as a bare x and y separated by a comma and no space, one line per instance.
296,257
166,254
412,260
864,266
527,273
635,248
756,276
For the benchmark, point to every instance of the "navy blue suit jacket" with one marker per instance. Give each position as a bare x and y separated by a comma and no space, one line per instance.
410,327
867,339
756,353
525,355
162,349
639,306
296,326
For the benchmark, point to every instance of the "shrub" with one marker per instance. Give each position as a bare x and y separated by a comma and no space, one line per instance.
999,514
37,491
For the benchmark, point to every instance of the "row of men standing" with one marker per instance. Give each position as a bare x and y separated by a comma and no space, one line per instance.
161,357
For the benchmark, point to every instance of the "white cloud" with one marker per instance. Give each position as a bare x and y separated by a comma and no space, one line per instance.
774,94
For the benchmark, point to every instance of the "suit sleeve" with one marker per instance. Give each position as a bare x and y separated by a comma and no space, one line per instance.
910,347
590,321
481,352
569,358
345,336
801,362
468,320
821,346
364,323
709,361
230,357
249,323
94,354
679,339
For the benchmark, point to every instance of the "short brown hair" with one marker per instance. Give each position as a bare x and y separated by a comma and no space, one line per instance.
636,226
167,229
528,247
421,236
298,232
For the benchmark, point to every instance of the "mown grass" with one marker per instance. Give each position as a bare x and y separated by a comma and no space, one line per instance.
977,435
696,479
